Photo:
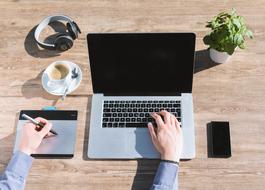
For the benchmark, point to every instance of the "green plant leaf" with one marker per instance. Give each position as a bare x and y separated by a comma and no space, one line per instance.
249,34
238,39
242,46
228,32
230,48
236,22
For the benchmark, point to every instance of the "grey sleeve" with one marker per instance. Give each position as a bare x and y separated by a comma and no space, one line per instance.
166,177
14,176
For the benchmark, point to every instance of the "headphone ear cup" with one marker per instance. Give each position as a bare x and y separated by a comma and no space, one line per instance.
63,42
72,31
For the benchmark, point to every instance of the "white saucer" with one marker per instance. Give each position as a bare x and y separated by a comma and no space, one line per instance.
60,91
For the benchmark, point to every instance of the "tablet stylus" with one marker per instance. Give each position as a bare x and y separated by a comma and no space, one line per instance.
37,123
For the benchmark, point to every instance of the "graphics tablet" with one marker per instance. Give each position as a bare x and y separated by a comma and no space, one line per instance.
63,122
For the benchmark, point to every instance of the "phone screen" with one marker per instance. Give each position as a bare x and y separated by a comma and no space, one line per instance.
221,146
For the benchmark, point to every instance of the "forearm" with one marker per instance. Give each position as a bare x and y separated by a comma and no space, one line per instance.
14,176
166,177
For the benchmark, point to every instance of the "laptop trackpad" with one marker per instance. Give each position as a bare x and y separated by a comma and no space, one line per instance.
140,143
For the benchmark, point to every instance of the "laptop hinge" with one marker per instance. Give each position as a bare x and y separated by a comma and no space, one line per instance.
143,94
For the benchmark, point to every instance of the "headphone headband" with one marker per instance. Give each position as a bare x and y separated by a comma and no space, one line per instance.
46,21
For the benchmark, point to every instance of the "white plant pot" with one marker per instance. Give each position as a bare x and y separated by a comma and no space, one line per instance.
219,57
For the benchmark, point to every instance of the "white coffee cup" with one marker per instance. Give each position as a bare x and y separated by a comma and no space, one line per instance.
59,74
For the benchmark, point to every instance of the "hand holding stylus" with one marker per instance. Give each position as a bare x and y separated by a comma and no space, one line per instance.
31,138
38,123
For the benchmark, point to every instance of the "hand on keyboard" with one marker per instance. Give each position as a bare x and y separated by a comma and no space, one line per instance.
167,137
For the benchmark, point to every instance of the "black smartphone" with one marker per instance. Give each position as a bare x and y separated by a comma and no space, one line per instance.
219,144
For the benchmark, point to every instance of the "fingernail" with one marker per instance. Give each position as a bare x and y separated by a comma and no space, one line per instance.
149,124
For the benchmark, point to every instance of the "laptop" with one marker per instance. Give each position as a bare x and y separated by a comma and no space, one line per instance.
133,75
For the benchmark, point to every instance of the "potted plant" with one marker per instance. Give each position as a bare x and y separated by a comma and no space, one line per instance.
228,32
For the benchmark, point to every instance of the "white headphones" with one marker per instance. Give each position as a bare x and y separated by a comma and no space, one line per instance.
63,41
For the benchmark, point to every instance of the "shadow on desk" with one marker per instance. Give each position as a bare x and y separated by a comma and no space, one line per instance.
7,143
32,47
145,174
6,149
33,88
203,61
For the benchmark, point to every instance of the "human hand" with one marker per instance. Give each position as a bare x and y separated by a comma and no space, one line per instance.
32,136
167,138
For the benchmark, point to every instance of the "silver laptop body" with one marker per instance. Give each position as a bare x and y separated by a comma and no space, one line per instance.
122,142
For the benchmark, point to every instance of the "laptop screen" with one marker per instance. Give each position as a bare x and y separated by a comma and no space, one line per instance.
141,63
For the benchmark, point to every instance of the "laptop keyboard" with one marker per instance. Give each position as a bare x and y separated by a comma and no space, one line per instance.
136,113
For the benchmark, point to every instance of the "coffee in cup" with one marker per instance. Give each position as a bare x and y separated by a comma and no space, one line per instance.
59,74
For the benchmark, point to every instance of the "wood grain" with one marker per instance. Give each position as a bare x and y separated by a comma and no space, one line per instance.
233,91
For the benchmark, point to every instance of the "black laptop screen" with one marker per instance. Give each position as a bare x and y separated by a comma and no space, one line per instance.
141,63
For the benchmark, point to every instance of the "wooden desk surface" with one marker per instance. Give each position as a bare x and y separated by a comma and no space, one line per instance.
234,91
